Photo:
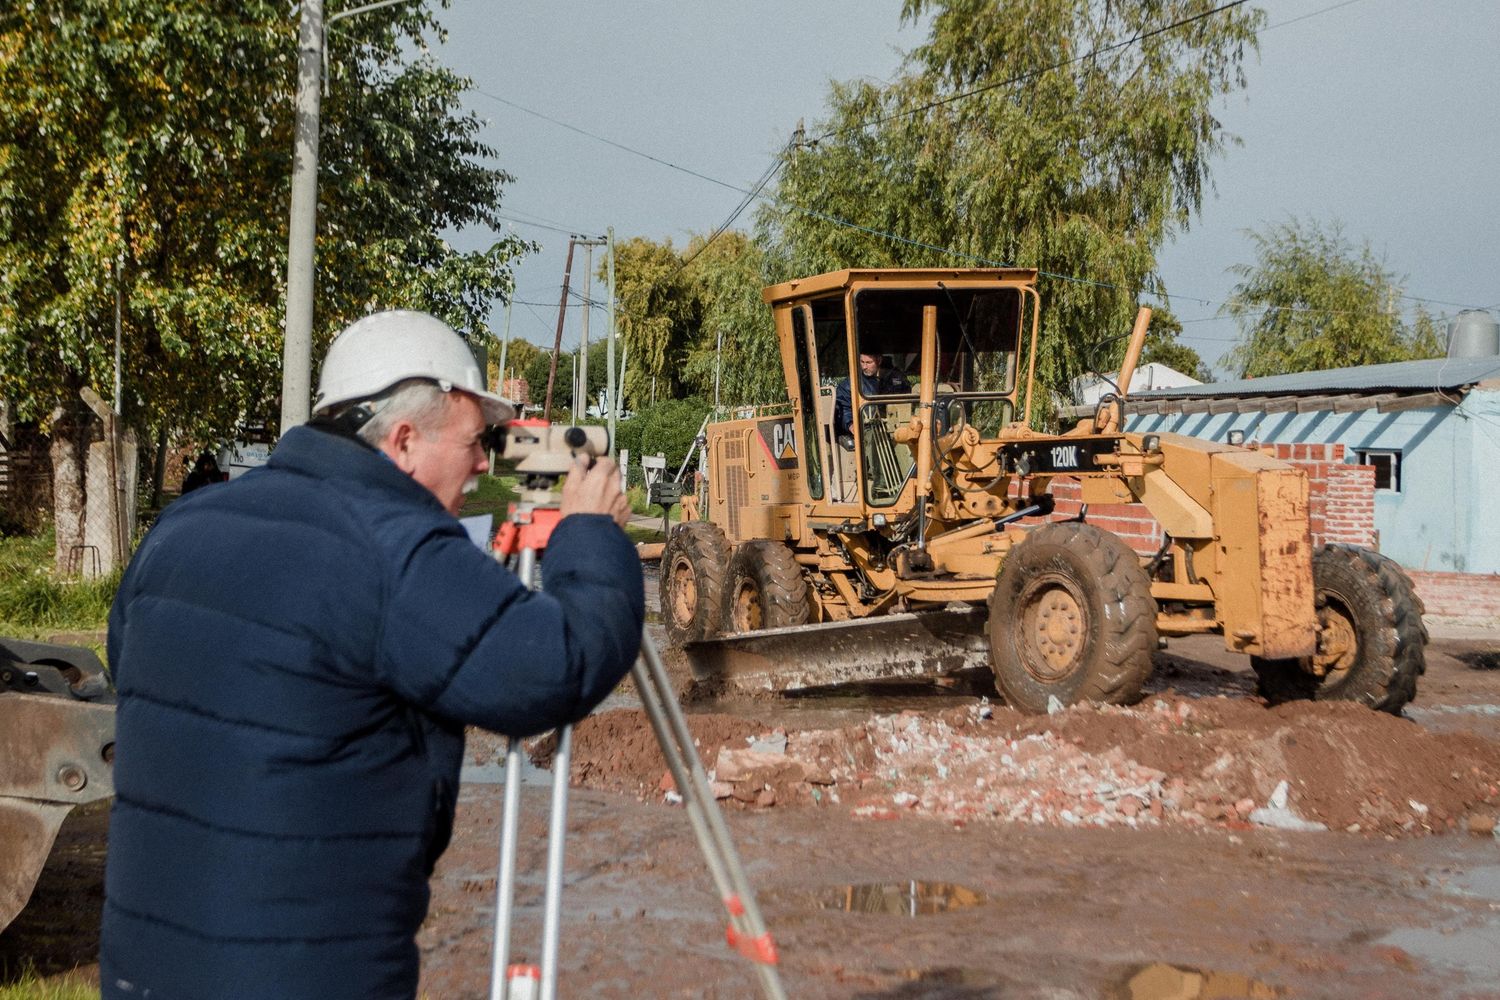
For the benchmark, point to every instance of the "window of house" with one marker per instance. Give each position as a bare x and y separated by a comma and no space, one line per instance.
1387,465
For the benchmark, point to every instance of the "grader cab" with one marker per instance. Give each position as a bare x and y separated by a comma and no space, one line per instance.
891,519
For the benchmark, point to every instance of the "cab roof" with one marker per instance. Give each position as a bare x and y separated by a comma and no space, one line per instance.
801,288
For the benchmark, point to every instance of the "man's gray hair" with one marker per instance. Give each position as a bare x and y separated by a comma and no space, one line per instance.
417,400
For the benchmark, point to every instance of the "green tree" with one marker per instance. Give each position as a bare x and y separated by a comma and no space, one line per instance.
656,318
157,137
1312,300
667,428
1086,143
1164,346
725,282
673,308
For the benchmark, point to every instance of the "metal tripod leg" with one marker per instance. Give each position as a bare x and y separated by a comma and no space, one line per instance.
505,883
747,931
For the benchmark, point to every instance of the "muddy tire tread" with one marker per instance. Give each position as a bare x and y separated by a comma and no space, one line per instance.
1124,645
707,551
1386,680
779,578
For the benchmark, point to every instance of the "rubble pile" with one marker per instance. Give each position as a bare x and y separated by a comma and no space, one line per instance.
1169,760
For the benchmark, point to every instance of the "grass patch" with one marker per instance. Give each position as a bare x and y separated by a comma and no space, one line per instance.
494,496
34,600
636,534
31,987
639,506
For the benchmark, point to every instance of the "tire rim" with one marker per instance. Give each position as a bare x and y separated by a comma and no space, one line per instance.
1338,642
747,611
684,593
1054,630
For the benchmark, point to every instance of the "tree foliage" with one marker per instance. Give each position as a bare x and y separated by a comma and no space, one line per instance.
160,136
1164,346
674,306
1086,144
1312,301
666,428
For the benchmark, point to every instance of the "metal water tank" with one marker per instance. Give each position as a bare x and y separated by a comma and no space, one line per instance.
1473,333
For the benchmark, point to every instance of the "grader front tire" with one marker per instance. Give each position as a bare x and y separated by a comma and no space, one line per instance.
767,589
694,573
1371,640
1071,618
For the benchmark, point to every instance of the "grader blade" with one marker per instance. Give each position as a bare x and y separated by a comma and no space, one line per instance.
54,754
869,649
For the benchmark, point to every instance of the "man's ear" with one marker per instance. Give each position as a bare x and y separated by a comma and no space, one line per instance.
397,445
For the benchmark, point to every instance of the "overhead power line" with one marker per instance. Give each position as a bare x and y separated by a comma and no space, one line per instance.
1030,74
756,191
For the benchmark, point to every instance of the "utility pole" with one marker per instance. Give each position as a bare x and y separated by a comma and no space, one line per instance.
581,412
302,228
613,400
718,365
562,310
588,307
296,358
504,346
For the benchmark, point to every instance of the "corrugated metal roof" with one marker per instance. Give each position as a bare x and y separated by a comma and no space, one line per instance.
1400,376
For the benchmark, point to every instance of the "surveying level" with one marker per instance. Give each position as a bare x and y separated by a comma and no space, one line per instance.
545,454
540,449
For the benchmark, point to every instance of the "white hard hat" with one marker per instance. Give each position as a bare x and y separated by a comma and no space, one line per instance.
376,352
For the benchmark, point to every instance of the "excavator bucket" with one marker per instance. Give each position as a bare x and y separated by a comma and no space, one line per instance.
928,644
56,752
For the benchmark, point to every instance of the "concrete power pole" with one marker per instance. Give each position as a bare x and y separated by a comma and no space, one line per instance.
588,307
296,358
612,398
581,411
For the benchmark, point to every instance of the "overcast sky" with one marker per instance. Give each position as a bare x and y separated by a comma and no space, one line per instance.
1382,114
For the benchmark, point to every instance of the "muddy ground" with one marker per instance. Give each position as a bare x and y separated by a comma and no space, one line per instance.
928,842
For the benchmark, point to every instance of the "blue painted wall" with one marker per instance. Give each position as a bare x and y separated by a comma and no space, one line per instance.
1446,517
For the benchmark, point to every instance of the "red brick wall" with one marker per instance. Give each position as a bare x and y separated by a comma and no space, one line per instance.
516,390
1340,498
1459,595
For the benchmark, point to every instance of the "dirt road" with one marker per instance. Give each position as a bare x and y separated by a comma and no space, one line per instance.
930,843
872,808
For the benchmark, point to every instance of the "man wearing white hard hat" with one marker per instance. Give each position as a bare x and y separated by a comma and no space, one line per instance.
291,711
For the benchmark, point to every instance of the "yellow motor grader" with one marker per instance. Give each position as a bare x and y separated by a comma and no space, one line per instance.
57,745
892,519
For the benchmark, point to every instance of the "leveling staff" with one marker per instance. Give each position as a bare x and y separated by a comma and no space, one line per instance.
297,653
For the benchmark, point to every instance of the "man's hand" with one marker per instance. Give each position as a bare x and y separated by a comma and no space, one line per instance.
595,491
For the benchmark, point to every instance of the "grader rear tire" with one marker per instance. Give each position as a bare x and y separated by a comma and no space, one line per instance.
694,572
1371,640
767,589
1071,617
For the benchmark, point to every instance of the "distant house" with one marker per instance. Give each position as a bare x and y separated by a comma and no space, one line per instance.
1089,388
1428,431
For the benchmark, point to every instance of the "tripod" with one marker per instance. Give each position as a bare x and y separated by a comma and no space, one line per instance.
521,540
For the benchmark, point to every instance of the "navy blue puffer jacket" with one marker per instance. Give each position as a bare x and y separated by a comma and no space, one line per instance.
296,654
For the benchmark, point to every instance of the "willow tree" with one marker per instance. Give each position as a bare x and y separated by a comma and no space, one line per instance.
656,316
1312,300
1072,136
145,148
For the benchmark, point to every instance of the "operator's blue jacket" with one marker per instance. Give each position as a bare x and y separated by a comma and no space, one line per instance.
297,653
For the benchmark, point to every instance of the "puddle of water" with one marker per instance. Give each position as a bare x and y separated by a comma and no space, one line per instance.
1416,712
1160,981
908,899
1471,949
1470,942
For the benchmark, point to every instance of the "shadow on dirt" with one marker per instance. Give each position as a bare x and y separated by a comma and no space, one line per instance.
1480,659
